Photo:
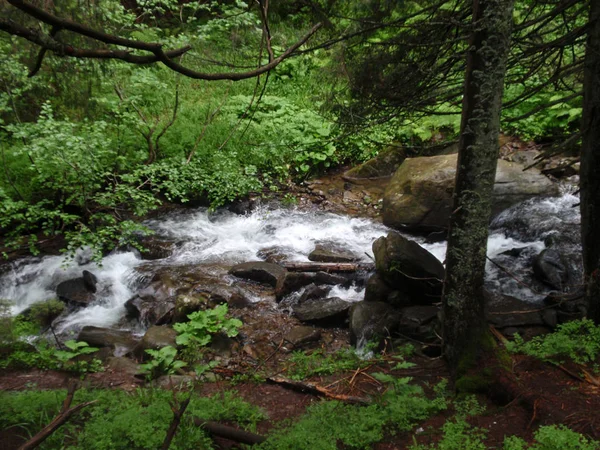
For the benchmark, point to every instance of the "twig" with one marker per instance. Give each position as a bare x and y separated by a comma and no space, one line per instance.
64,415
177,414
230,433
315,389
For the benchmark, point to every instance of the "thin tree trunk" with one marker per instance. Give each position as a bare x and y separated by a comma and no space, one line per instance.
463,305
590,165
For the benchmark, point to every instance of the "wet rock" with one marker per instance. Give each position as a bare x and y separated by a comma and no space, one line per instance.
372,320
552,268
90,281
150,310
406,266
155,248
313,292
155,338
331,310
232,295
222,345
243,207
292,282
259,271
75,292
301,335
329,253
419,196
419,322
107,337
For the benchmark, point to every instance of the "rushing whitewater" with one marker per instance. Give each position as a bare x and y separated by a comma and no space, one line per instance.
201,238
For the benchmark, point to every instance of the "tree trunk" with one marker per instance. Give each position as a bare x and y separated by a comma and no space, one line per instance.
463,305
590,165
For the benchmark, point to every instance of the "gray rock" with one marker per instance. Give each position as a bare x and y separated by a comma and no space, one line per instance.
292,282
187,304
313,292
331,310
372,320
301,335
419,196
406,266
329,253
259,271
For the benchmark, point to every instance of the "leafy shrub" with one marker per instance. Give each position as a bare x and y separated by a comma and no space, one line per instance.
302,365
163,362
204,324
578,340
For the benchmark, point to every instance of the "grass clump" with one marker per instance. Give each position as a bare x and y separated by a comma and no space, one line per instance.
578,340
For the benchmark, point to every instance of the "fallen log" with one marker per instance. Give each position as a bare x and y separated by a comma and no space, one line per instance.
315,389
231,433
326,267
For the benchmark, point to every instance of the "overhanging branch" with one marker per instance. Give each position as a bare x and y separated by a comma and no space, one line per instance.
48,42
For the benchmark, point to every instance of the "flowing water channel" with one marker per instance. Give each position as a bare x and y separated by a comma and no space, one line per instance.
207,239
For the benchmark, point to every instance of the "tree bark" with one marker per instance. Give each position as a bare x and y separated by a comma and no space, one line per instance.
464,325
590,165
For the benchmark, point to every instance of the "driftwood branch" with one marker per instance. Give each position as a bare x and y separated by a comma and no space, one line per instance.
317,390
158,53
326,267
65,414
231,433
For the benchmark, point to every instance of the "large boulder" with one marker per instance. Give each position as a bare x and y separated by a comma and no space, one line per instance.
407,267
149,309
419,195
262,272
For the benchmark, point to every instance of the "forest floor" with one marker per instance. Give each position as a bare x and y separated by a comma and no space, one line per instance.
540,393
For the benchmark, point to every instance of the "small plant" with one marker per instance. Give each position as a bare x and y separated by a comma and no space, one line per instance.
70,359
163,362
554,437
204,324
578,340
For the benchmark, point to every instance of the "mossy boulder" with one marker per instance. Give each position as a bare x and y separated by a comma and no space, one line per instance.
381,166
419,195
